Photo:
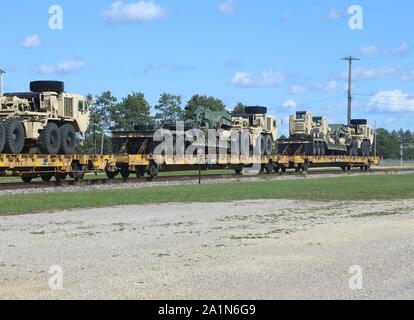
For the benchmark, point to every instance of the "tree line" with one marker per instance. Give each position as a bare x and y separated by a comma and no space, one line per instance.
108,113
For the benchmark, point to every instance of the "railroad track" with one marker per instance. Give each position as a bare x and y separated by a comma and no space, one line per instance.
105,181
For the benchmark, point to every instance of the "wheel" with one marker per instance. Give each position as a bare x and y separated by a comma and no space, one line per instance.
353,148
77,172
49,142
276,169
268,168
365,149
153,170
262,145
305,166
27,178
268,145
44,86
111,174
60,177
238,171
46,177
125,173
68,139
323,149
283,169
2,137
14,136
140,172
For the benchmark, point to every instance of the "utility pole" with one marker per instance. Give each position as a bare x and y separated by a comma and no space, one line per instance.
1,82
350,59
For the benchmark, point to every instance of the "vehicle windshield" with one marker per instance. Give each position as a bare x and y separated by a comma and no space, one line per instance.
300,116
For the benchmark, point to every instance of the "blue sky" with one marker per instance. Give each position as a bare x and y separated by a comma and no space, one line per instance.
282,54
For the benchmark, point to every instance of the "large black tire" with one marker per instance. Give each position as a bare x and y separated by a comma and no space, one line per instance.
353,148
255,110
45,86
27,178
268,145
262,145
50,140
359,122
67,139
2,137
15,136
365,149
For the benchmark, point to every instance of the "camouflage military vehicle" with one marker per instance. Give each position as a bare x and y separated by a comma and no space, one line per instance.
314,137
260,126
46,117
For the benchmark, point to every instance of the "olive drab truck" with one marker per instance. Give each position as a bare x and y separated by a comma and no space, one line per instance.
46,118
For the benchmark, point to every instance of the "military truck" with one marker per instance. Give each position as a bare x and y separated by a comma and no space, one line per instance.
314,137
260,126
46,118
255,122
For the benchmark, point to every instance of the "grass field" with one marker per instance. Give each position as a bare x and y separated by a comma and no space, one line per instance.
344,188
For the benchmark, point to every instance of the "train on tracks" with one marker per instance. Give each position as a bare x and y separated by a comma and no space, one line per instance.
40,130
60,167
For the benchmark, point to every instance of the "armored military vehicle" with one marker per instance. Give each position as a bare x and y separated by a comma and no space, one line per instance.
260,126
314,137
46,118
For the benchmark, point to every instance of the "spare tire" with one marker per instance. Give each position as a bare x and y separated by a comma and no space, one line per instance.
46,86
256,110
359,122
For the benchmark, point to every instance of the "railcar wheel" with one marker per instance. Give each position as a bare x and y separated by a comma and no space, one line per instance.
111,175
77,173
68,139
46,177
50,139
153,170
14,136
2,137
140,172
60,176
238,171
125,173
27,178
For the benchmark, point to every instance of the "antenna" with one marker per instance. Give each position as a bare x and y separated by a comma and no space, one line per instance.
1,82
350,59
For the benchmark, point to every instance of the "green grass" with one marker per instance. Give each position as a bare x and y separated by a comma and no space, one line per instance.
385,187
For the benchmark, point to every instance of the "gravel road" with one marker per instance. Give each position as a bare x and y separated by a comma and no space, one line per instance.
246,250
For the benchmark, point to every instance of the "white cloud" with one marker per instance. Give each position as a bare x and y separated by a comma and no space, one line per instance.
227,7
373,73
332,86
298,90
267,78
135,12
64,67
403,48
372,49
369,49
392,101
285,16
290,104
407,75
32,41
335,14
